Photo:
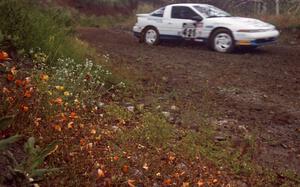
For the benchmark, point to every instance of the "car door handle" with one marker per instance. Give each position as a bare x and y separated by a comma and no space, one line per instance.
170,23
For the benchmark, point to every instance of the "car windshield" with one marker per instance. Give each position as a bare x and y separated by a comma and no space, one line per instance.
211,11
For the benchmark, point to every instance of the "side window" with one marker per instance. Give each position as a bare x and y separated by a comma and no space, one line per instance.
158,13
182,12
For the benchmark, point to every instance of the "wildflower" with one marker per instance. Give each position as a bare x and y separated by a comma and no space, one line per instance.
44,77
60,88
66,93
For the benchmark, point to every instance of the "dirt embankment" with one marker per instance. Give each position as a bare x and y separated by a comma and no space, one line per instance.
258,90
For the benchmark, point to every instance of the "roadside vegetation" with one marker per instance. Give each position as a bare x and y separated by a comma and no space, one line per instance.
66,120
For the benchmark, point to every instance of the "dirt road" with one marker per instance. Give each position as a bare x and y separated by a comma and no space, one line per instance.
258,91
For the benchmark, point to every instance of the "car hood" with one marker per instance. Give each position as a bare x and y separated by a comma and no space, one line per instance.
240,23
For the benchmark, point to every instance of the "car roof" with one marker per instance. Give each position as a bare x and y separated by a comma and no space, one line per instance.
189,4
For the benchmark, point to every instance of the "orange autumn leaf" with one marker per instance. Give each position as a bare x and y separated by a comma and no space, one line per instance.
27,94
167,182
101,173
19,83
24,108
215,180
82,142
4,55
70,125
10,77
125,168
116,158
57,128
58,101
185,184
200,183
73,115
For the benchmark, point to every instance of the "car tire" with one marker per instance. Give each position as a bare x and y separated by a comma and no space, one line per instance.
222,41
150,36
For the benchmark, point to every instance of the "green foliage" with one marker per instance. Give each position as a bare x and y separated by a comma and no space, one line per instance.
155,131
36,157
26,26
7,141
5,122
118,112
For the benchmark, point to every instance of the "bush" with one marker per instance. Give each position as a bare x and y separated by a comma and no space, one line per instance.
25,25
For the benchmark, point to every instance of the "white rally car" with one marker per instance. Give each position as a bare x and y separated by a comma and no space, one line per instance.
205,23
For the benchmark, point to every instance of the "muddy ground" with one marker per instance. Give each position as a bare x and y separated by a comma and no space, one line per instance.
258,91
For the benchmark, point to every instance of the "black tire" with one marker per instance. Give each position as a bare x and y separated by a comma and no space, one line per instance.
154,41
222,48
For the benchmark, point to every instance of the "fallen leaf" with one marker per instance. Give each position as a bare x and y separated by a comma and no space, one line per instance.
116,158
10,77
101,173
130,183
145,166
57,128
70,125
13,70
185,184
4,55
93,131
125,168
73,115
19,83
27,94
24,108
167,182
200,183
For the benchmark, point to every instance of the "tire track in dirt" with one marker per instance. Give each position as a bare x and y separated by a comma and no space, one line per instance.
259,89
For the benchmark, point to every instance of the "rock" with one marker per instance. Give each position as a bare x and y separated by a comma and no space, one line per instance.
181,167
166,114
137,173
116,128
130,108
220,138
173,107
100,104
236,183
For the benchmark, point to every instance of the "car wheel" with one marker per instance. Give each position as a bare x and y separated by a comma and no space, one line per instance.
222,41
151,36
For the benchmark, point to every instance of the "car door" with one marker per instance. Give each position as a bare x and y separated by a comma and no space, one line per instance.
181,24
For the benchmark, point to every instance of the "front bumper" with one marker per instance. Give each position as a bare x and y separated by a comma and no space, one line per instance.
256,39
137,30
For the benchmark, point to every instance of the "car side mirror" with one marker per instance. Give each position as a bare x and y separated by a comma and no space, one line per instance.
197,18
